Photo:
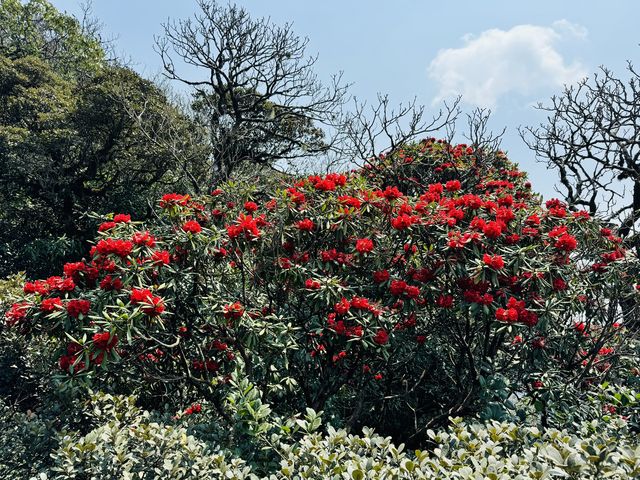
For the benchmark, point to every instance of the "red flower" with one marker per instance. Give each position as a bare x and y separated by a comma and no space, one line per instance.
245,224
61,284
296,196
493,261
580,327
391,193
121,248
325,185
171,199
512,239
104,341
312,284
360,303
342,307
233,311
161,257
192,226
152,305
49,305
364,245
403,221
195,408
566,242
122,218
381,337
507,315
306,225
40,287
381,276
397,287
412,291
445,301
16,314
73,270
250,207
78,307
108,284
559,284
104,226
492,230
143,238
350,201
453,185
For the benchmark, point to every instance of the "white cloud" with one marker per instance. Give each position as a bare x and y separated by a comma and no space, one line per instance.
523,60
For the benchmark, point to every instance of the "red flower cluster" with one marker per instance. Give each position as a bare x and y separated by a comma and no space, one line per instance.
493,261
191,226
233,311
399,288
492,230
50,305
78,307
381,337
329,182
161,257
104,341
404,221
566,242
114,246
364,245
172,199
16,314
152,305
250,207
516,312
311,284
110,283
305,225
245,225
143,239
381,276
195,408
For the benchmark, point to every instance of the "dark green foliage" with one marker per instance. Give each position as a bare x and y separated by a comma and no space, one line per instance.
78,134
36,28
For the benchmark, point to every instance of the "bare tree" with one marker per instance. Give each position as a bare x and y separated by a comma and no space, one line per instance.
169,127
380,127
257,92
485,143
592,138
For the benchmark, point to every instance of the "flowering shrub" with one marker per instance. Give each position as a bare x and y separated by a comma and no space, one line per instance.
389,296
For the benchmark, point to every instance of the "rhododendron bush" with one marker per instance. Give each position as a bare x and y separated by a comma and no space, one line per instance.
393,296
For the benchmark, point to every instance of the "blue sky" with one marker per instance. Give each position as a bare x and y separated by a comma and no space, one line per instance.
505,55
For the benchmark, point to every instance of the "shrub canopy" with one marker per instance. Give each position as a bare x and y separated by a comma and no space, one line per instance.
430,283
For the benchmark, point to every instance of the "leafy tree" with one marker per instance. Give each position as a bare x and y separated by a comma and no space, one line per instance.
36,28
78,133
258,94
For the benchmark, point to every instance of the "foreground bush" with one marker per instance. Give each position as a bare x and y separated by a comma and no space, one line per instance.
430,284
501,451
129,443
